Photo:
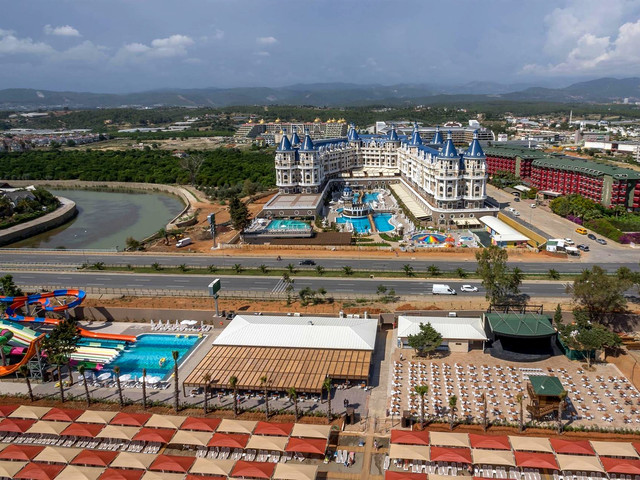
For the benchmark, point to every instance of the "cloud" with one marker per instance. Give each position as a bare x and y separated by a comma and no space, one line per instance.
266,40
173,46
12,45
86,52
63,31
219,35
262,53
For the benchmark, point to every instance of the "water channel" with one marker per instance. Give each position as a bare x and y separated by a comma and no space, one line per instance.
107,219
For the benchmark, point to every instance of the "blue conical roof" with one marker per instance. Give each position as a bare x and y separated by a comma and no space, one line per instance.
448,149
295,139
474,150
393,135
437,137
285,144
416,139
352,135
307,146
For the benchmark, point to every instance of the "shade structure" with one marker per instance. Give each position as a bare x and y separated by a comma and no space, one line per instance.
201,424
130,419
545,461
531,444
572,447
278,429
133,460
615,449
96,416
187,437
165,421
489,442
445,439
29,411
94,458
118,432
16,425
267,442
192,476
9,469
154,435
62,414
39,471
409,452
236,426
450,454
231,440
25,453
492,457
44,427
210,466
289,471
626,466
316,446
87,430
119,474
172,463
162,476
5,410
404,476
57,455
636,445
408,437
252,469
75,472
311,431
579,463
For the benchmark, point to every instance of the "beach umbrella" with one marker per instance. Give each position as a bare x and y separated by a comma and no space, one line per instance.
125,378
153,379
104,376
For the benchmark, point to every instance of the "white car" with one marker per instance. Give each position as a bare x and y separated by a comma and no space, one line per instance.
516,213
511,209
533,205
468,288
568,241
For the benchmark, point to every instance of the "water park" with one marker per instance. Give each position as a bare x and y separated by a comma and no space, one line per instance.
365,211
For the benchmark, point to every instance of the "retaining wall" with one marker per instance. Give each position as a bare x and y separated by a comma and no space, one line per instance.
59,216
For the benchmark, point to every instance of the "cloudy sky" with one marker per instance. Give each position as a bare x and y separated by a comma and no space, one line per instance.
133,45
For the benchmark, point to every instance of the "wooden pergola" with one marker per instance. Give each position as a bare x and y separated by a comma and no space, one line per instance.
302,368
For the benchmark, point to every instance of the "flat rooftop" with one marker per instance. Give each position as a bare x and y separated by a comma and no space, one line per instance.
296,201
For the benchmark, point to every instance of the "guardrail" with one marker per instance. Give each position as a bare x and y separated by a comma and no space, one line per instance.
58,250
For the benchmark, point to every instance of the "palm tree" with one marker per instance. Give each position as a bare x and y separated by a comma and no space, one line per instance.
207,379
116,371
453,402
293,395
144,388
24,371
485,423
421,390
326,385
175,354
319,269
408,270
263,268
81,371
59,361
264,381
520,399
291,268
233,383
563,396
433,270
69,370
237,267
347,270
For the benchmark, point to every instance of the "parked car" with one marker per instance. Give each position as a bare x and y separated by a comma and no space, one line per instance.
306,262
516,213
533,205
581,230
183,242
468,288
583,247
591,236
516,199
568,241
511,209
601,241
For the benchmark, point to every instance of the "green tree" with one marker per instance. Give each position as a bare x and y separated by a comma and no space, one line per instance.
553,274
192,163
156,266
24,371
63,340
426,340
183,267
82,372
499,282
421,390
319,269
233,383
408,270
60,360
263,268
347,270
461,272
586,336
453,403
98,266
116,372
132,244
293,395
326,385
9,288
561,404
176,384
599,295
239,214
144,388
264,382
291,268
557,316
433,270
237,268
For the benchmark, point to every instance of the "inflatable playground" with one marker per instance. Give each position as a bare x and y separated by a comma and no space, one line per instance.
19,343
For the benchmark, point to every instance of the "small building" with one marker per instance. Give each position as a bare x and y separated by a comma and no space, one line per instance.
521,337
503,235
459,334
545,394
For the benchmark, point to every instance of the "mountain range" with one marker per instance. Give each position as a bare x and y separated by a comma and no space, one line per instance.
602,90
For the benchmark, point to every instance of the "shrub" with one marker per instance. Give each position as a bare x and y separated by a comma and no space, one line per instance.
604,228
630,238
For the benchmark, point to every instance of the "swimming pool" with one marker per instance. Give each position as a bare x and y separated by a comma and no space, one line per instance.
287,225
382,222
360,225
148,351
370,197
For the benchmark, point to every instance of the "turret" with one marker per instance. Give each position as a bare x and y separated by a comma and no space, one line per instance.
295,139
416,140
448,149
474,150
285,144
307,146
437,137
352,134
393,135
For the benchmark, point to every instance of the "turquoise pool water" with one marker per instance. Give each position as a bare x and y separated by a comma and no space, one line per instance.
287,225
360,225
382,222
370,197
149,350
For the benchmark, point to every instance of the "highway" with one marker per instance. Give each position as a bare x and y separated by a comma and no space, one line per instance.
12,259
344,286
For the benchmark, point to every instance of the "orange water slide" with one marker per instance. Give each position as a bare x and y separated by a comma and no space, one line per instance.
31,351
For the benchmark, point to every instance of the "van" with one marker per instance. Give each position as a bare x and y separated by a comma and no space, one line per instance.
183,242
581,231
441,289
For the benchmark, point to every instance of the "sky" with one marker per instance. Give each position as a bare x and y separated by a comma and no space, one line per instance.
136,45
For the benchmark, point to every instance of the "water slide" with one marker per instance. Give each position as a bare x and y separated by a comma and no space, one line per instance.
31,351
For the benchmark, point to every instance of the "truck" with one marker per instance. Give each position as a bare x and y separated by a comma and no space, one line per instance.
183,242
442,289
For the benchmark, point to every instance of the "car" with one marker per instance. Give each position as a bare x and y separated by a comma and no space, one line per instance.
581,230
516,213
516,199
511,209
468,288
601,241
583,247
568,241
533,205
306,262
591,236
